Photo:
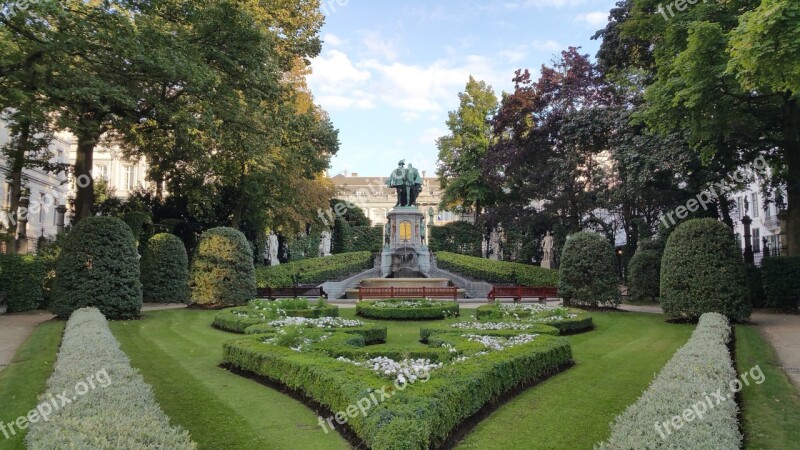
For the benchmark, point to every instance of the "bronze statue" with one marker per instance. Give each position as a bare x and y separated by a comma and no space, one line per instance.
407,182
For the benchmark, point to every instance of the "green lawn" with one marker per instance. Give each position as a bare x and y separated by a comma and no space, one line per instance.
26,376
771,409
178,353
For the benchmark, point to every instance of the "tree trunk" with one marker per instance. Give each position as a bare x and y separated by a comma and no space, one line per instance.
725,211
791,132
84,183
17,156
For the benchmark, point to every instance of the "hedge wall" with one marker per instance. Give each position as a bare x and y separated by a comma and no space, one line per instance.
222,271
497,271
21,278
587,275
457,237
428,309
781,281
313,270
165,270
366,239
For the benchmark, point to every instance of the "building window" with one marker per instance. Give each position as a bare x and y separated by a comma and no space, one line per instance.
754,204
130,177
756,240
740,207
42,209
101,171
6,195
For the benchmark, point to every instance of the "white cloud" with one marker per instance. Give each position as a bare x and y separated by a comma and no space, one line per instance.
333,40
548,45
541,4
335,68
378,46
430,135
596,19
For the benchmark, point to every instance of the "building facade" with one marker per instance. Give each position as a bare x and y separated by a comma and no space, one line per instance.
765,229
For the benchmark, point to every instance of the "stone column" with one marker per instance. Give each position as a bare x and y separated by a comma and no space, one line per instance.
22,225
748,244
61,211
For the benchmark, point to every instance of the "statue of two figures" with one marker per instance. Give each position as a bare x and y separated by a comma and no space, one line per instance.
408,183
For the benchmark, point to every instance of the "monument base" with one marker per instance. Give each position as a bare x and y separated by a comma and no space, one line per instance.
548,264
405,254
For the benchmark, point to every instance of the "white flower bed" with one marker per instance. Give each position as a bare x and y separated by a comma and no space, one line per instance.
499,343
301,343
491,326
701,367
532,307
120,414
405,304
404,371
322,322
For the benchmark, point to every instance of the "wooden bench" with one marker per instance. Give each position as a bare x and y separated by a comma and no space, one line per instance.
407,292
519,292
292,292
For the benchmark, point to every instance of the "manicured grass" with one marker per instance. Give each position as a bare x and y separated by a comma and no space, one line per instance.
614,364
771,409
26,377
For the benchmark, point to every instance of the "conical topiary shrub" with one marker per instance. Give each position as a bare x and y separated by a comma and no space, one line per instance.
587,274
165,270
222,271
98,266
702,271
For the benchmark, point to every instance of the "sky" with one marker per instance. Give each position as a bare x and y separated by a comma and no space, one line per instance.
390,71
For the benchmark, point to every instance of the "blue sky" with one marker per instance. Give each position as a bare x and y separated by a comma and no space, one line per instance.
390,71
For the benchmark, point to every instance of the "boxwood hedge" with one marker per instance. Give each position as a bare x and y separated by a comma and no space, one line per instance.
587,274
120,411
165,270
21,280
582,321
420,416
493,271
259,311
313,270
396,309
372,333
701,367
781,281
222,271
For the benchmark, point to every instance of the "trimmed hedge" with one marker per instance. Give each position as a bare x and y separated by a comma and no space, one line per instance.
781,280
429,309
755,286
587,275
702,271
457,237
493,312
701,367
119,411
98,266
165,270
314,270
420,416
497,271
427,332
222,269
238,319
21,278
366,239
372,334
645,276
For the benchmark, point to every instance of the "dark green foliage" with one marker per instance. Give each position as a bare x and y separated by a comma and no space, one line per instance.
98,266
372,334
755,287
342,237
702,271
313,270
421,415
21,278
426,332
165,270
137,221
351,213
781,279
429,309
366,239
222,271
587,272
497,271
644,276
457,237
304,247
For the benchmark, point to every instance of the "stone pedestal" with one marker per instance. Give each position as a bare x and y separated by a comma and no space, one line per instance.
405,254
548,264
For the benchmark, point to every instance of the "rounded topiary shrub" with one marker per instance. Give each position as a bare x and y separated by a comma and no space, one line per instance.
587,275
702,271
222,271
98,266
644,279
165,270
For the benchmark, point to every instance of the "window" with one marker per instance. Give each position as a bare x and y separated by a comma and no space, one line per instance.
756,240
740,207
754,204
42,208
6,195
101,171
130,177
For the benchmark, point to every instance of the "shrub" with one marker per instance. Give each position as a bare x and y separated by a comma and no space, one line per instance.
98,266
313,270
644,276
366,239
497,271
342,237
699,368
165,270
304,247
137,221
222,269
21,278
755,287
781,279
407,309
119,411
702,271
564,319
587,275
457,237
238,319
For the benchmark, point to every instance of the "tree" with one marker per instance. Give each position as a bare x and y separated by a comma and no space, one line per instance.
462,152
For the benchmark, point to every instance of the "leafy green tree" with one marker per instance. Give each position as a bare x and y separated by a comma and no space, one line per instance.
462,152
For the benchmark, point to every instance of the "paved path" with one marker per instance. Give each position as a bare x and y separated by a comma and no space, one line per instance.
16,328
